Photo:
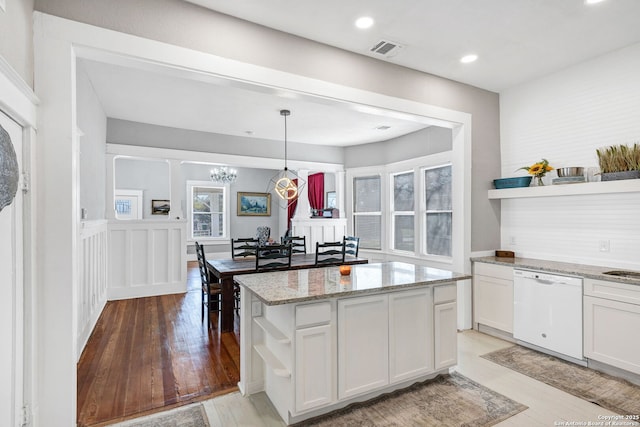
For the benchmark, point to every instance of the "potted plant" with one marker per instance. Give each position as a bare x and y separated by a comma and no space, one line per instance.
619,162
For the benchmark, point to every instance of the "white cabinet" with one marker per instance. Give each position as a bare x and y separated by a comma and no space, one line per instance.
493,296
314,356
444,326
314,371
363,342
410,334
611,311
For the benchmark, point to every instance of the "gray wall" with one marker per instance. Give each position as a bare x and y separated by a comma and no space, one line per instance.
150,176
184,24
417,144
93,123
134,133
16,37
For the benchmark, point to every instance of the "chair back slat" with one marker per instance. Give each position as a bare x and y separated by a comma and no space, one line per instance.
272,257
298,244
351,245
330,253
243,248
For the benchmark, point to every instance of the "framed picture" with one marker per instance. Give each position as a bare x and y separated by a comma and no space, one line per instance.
254,204
160,207
331,200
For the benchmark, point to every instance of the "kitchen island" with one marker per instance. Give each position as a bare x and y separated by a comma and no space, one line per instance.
316,341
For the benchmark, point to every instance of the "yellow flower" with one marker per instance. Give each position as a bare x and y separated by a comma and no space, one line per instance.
535,169
538,169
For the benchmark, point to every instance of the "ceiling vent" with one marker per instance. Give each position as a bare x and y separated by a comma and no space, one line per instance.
386,48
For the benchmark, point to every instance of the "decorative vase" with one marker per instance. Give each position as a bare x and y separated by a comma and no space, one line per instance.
539,181
615,176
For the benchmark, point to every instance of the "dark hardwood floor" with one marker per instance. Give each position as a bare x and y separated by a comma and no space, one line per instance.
149,354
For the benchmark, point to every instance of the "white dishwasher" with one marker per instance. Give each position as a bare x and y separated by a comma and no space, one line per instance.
547,311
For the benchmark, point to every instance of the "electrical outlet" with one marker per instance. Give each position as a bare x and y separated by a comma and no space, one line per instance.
604,245
256,309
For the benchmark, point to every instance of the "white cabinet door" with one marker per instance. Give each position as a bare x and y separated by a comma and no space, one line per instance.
446,340
493,302
609,328
363,345
410,334
315,374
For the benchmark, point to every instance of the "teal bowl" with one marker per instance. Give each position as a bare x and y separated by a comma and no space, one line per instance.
517,182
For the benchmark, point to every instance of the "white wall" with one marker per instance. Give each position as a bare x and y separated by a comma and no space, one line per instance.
153,177
564,117
16,37
92,122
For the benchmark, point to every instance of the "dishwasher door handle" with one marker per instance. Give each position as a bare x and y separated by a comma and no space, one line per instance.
545,282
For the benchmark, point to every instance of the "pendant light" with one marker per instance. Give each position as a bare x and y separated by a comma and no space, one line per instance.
286,183
224,175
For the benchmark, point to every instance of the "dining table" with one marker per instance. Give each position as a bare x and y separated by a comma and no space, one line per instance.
225,269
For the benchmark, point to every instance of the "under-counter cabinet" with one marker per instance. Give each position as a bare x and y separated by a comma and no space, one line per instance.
611,322
445,323
493,296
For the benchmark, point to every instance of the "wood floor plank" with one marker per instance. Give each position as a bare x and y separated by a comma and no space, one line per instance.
149,354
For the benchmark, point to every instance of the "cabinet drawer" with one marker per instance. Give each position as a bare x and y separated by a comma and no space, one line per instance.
612,290
313,314
493,270
444,293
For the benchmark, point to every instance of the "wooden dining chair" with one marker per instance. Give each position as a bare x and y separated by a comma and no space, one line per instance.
329,253
211,289
243,248
351,245
298,244
273,257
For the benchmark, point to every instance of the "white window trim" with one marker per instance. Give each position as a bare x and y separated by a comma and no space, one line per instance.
226,217
417,165
372,173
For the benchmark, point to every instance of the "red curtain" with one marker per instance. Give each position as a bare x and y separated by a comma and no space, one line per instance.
291,207
316,190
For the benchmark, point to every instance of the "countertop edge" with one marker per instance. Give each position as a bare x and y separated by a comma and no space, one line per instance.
360,292
569,269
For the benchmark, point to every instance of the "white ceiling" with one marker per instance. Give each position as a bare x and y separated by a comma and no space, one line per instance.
516,40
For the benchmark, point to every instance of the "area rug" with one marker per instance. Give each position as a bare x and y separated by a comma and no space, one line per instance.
447,400
193,416
609,392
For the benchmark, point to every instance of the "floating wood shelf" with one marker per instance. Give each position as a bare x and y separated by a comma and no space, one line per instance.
606,187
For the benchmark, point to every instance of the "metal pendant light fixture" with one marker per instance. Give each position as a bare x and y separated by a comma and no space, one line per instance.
286,183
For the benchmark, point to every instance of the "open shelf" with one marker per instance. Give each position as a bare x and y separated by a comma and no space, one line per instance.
272,361
606,187
270,329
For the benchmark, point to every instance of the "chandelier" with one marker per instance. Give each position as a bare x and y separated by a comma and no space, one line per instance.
286,183
224,175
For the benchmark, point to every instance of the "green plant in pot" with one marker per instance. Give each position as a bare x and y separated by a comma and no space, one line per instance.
619,162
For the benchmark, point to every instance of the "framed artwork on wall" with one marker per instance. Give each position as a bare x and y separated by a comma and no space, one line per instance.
254,204
331,200
160,207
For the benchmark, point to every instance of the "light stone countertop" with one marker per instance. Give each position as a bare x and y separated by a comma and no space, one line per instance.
583,270
285,287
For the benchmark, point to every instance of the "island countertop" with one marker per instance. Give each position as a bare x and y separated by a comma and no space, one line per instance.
285,287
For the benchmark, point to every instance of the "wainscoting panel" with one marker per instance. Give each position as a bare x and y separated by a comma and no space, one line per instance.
92,290
319,230
146,258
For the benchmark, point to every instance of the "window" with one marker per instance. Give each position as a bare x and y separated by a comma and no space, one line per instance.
402,211
438,212
207,211
367,211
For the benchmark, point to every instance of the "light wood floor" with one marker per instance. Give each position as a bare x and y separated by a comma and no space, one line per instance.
547,406
150,354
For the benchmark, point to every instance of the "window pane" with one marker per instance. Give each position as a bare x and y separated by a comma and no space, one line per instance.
403,232
368,227
439,233
367,194
403,192
438,188
201,202
201,224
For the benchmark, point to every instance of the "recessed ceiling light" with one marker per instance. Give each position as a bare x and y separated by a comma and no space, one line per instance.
364,22
592,1
468,58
